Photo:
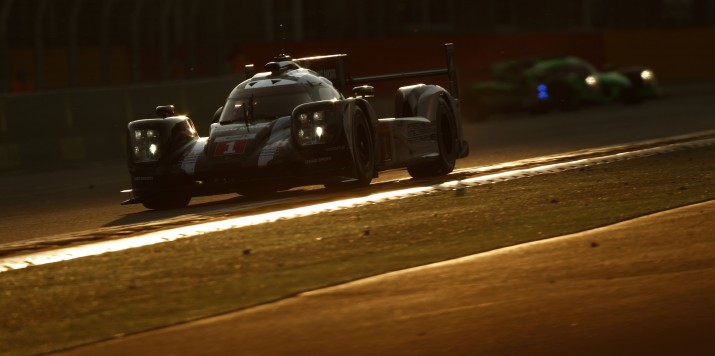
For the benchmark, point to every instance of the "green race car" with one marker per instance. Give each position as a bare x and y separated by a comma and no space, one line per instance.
539,85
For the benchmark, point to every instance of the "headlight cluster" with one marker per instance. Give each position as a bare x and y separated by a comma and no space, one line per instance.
146,145
312,128
591,81
647,75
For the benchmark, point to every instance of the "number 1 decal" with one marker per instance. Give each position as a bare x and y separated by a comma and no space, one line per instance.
230,148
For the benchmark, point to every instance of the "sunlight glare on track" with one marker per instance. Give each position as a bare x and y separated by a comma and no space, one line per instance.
69,253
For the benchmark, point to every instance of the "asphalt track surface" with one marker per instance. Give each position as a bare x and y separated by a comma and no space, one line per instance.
36,205
563,296
640,287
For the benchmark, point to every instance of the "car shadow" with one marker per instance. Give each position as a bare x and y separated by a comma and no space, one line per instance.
228,205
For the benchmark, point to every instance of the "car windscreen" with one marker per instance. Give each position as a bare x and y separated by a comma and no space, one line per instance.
264,104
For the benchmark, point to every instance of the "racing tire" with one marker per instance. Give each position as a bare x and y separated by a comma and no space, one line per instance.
363,153
167,200
447,141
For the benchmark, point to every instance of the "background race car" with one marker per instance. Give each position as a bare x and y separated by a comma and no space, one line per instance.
542,84
292,126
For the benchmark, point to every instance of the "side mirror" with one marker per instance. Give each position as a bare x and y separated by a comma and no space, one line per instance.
364,91
217,115
165,111
249,71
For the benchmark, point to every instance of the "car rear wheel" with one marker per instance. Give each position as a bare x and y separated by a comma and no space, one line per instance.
447,141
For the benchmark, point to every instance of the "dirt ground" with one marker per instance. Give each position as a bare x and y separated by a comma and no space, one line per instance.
643,286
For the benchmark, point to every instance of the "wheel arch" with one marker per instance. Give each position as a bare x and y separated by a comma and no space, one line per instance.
423,100
371,116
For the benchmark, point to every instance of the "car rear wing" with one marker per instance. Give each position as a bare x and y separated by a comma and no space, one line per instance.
450,70
334,67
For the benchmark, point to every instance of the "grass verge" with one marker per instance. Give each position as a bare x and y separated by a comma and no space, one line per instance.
56,306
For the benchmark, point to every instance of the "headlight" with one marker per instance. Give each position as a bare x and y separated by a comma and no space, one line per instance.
303,118
591,81
647,75
311,128
146,145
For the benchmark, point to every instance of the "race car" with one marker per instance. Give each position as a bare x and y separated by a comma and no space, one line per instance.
292,126
539,85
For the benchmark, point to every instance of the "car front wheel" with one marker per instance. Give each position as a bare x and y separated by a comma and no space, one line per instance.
363,153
